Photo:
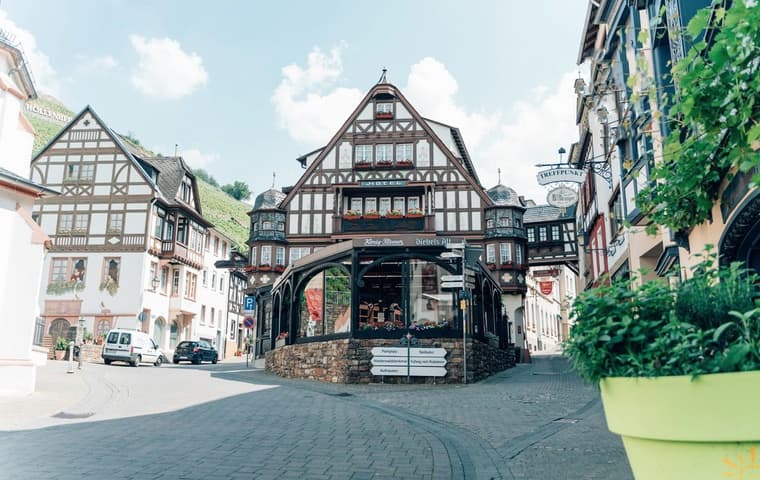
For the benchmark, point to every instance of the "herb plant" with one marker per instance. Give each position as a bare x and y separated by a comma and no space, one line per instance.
707,324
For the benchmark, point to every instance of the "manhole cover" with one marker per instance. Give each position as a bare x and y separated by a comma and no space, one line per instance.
73,415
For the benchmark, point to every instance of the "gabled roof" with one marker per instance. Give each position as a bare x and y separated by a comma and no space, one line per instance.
114,136
166,189
456,135
464,166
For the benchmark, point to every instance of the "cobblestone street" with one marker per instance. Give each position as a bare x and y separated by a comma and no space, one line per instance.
533,421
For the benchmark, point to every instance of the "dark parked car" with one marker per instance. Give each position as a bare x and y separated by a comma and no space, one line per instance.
195,351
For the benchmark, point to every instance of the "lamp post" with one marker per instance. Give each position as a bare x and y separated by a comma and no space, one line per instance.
154,283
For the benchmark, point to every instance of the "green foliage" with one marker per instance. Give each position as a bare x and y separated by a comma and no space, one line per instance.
653,331
714,125
228,215
61,344
205,176
238,190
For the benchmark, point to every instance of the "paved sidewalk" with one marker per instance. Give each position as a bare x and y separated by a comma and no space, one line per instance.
533,421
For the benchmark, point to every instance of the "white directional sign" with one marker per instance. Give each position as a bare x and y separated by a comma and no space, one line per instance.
427,372
389,370
452,285
455,246
452,278
451,255
417,361
390,352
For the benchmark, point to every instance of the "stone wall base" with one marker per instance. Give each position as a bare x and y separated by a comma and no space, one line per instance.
348,361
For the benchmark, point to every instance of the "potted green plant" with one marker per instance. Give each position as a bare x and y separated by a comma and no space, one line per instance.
87,336
61,345
352,215
371,215
678,369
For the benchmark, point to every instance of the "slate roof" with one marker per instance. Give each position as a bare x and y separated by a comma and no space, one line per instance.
268,200
548,213
504,196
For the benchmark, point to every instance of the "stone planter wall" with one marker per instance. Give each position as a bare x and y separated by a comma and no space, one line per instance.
348,361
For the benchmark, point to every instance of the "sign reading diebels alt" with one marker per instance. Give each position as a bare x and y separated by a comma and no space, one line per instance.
557,175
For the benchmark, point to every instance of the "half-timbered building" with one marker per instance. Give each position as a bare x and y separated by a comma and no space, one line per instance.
127,237
369,235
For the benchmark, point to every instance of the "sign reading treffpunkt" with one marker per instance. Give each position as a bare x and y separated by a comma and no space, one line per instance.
556,175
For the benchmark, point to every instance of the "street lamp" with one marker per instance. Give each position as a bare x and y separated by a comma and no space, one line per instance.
154,283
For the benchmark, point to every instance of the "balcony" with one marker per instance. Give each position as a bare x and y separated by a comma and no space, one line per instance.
383,224
384,165
180,252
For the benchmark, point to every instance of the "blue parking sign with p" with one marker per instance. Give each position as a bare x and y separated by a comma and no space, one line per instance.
249,303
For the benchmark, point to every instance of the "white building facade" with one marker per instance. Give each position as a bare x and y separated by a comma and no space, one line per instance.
23,244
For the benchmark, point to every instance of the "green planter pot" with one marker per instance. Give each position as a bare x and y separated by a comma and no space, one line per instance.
704,427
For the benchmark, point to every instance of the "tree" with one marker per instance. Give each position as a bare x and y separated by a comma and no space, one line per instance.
205,176
238,190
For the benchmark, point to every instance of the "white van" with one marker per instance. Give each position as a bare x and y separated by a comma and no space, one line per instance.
132,347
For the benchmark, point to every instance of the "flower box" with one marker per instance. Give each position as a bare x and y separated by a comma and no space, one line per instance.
404,163
372,216
265,267
384,163
394,214
363,165
384,115
352,217
279,268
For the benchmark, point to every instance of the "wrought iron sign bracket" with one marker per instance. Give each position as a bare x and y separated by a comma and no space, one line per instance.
602,169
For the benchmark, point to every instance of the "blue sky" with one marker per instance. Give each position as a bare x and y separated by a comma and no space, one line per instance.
244,87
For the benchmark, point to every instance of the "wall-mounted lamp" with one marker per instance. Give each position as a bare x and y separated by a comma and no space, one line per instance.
154,283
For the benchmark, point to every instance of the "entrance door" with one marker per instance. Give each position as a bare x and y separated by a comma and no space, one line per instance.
173,333
59,328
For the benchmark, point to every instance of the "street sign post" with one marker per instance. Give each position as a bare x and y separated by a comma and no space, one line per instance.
249,303
459,284
249,322
452,278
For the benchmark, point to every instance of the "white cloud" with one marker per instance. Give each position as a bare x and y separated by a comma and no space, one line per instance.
540,124
432,91
308,105
197,159
45,76
164,69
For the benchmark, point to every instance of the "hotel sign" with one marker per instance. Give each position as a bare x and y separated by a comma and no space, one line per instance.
383,183
557,175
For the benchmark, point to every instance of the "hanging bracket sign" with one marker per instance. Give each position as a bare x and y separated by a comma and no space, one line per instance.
559,175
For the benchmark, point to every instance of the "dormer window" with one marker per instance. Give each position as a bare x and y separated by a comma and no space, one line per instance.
266,225
186,190
384,110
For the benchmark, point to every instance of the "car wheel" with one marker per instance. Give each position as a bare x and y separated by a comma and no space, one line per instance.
158,361
107,361
215,359
137,361
196,360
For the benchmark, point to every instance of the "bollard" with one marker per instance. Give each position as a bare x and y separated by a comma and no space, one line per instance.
71,358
